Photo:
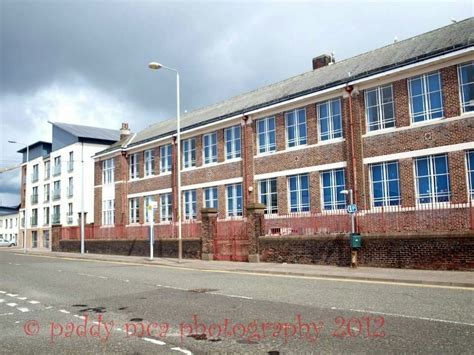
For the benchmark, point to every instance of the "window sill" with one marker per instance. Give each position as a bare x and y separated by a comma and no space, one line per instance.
330,141
133,225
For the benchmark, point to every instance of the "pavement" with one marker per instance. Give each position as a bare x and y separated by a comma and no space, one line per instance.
409,276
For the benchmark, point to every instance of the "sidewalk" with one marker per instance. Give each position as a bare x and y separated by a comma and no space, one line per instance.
426,277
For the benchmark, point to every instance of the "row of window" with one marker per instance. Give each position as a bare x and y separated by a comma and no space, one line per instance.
34,239
56,168
55,216
431,180
9,223
56,191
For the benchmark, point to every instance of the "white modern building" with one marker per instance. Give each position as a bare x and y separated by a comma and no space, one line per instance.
58,180
9,224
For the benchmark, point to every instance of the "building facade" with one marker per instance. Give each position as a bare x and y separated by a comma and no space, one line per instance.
9,224
57,180
394,125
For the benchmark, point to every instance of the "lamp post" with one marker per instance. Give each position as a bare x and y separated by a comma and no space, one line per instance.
351,201
156,66
26,177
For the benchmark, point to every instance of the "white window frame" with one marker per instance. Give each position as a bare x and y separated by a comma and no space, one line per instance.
134,210
149,162
108,167
267,147
386,199
208,157
268,209
470,181
333,187
233,204
234,153
148,213
108,212
461,86
426,103
434,195
166,158
166,205
134,173
299,204
298,139
382,122
188,200
188,152
213,196
331,132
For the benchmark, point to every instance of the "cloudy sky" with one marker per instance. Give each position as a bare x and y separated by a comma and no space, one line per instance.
86,61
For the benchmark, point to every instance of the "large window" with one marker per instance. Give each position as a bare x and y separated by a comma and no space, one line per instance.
134,210
466,85
70,163
108,171
210,197
268,194
166,207
234,200
432,179
134,166
330,119
70,187
148,210
57,166
57,190
266,135
47,169
149,162
232,142
34,195
426,101
190,204
379,108
46,193
470,172
35,174
332,183
295,127
108,212
385,184
209,143
298,191
165,158
45,216
189,153
56,214
34,217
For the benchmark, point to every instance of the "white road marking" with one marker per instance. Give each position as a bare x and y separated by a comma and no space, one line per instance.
2,300
80,317
154,341
127,280
22,298
404,316
187,352
49,307
64,311
12,294
89,275
33,302
23,309
12,304
232,296
17,322
17,264
176,288
2,292
6,314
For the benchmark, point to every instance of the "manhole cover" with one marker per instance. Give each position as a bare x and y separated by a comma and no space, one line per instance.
203,290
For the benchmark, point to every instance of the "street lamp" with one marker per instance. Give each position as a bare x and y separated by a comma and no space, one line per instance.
156,66
351,201
26,177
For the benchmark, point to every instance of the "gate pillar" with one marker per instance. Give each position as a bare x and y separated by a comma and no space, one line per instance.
255,229
208,232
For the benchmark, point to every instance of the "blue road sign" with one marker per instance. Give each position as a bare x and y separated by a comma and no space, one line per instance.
352,208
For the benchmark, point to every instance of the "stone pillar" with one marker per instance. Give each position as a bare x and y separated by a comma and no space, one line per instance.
255,229
208,232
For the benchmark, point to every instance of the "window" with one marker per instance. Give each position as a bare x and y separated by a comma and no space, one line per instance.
234,200
295,127
166,206
70,213
190,205
426,101
470,172
56,214
432,179
466,83
34,239
385,184
46,239
46,193
34,195
379,108
108,171
34,217
35,174
165,158
189,153
134,210
108,212
57,190
134,166
70,187
148,211
57,166
47,170
209,143
210,197
268,194
70,164
46,216
149,162
332,183
299,193
330,119
266,135
232,142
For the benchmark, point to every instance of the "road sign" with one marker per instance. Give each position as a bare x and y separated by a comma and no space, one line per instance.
352,208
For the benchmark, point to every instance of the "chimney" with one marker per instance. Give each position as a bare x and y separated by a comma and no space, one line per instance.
124,131
322,61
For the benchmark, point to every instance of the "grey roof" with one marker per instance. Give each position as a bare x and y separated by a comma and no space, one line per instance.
5,211
431,44
35,144
89,132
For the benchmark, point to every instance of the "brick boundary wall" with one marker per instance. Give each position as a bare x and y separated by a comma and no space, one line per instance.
432,251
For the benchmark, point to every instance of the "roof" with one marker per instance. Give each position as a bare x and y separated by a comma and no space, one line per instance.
5,211
35,144
89,132
428,45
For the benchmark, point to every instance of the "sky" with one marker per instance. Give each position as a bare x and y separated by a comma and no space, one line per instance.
85,62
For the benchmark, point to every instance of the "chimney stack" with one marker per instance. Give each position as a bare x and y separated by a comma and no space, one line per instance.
322,61
124,131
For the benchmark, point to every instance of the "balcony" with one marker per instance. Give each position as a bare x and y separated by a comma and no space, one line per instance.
70,166
57,170
22,223
34,221
34,177
70,191
56,195
69,218
56,218
46,198
34,199
47,174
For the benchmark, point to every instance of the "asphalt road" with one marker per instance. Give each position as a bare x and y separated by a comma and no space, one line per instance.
52,305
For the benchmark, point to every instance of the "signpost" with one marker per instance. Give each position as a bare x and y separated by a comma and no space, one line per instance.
151,209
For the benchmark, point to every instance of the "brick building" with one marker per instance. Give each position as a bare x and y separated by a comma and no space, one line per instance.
395,125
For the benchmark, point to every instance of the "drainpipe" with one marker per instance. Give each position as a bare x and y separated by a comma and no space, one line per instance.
349,89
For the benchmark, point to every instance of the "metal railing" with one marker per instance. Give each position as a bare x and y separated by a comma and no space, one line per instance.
34,177
34,221
34,199
57,170
56,218
56,194
70,166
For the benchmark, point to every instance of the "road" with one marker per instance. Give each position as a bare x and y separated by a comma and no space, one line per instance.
56,305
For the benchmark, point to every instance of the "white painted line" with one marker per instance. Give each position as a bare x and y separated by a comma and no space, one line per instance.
17,264
176,288
23,309
127,280
187,352
6,314
17,322
12,304
2,292
33,302
2,300
49,307
232,296
119,329
12,294
154,341
64,311
80,317
22,298
404,316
